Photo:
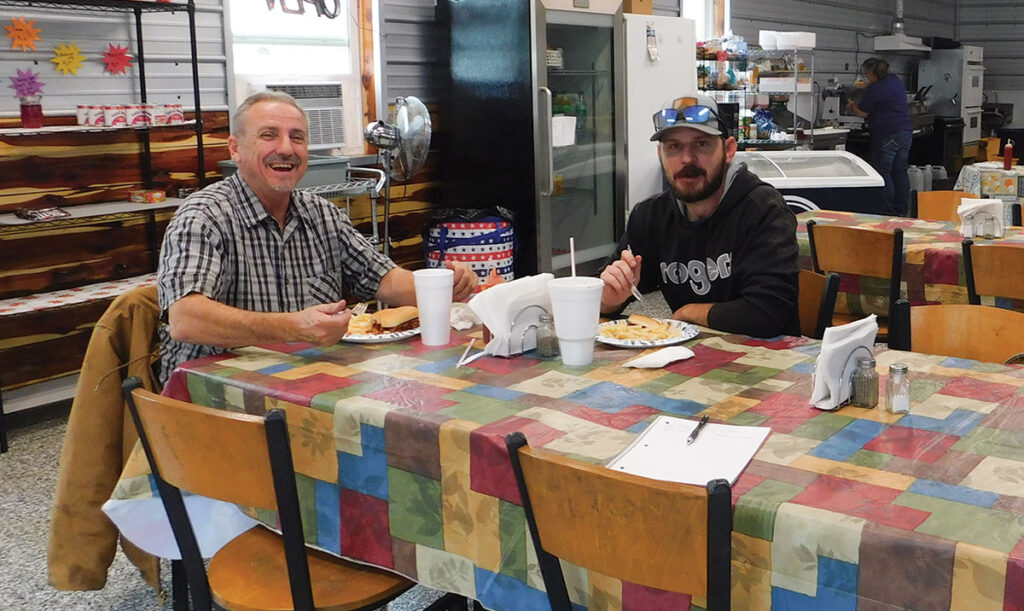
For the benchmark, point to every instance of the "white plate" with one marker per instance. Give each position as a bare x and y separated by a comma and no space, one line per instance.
363,338
688,332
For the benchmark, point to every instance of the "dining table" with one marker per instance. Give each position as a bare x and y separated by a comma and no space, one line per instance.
933,265
401,463
989,179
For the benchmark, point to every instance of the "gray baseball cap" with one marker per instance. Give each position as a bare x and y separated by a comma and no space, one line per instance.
695,111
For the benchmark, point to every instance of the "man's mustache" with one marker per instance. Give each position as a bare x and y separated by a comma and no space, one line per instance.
283,159
690,171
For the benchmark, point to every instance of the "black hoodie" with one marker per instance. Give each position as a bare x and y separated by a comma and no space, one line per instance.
743,258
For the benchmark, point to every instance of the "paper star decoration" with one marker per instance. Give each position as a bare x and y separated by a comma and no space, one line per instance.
117,59
26,83
22,34
67,58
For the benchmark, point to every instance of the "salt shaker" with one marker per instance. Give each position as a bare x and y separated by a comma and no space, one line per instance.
865,383
897,389
547,342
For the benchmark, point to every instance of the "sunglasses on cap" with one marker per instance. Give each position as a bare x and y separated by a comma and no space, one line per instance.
685,110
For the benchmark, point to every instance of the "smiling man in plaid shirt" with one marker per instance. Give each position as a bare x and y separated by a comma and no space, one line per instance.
249,260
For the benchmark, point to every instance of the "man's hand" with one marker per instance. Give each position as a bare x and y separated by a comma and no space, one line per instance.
619,278
465,281
323,324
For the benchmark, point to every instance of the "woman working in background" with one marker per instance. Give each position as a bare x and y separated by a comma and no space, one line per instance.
884,103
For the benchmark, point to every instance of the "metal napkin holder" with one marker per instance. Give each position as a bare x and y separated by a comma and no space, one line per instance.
524,328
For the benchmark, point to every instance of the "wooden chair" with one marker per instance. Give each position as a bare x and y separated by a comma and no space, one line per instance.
247,460
817,301
993,269
657,534
977,332
937,205
860,251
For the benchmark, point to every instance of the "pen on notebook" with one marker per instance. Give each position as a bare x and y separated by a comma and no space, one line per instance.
632,287
696,431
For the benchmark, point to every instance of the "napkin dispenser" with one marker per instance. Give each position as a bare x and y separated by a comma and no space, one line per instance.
982,218
833,370
511,311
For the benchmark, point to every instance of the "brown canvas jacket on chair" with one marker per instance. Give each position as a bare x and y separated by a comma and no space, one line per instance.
98,441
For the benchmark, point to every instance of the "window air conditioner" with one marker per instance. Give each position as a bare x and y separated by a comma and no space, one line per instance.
333,109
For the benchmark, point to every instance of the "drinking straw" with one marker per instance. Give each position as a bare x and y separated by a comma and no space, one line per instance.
572,256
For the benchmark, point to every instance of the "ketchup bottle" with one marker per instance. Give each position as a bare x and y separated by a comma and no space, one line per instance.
1008,155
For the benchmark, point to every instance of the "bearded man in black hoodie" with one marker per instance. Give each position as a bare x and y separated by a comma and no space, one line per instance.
720,243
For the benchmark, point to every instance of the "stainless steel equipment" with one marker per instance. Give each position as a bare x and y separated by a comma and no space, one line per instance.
543,119
834,111
957,78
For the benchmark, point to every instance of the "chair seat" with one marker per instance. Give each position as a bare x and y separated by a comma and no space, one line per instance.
250,574
842,319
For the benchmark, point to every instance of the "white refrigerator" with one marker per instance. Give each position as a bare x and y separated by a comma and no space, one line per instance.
659,64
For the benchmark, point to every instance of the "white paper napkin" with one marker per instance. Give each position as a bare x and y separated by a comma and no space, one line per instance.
462,317
840,348
660,358
982,217
505,309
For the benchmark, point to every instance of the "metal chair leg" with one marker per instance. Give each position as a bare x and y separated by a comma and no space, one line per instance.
179,587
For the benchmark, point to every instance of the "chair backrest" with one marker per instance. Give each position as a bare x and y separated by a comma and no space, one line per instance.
817,301
233,457
858,250
977,332
940,205
993,269
658,534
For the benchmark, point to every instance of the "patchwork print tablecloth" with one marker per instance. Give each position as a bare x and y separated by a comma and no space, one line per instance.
401,462
933,267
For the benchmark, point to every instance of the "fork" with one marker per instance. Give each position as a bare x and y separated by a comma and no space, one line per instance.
360,308
632,287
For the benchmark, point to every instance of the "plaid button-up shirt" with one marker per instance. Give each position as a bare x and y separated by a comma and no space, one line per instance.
222,244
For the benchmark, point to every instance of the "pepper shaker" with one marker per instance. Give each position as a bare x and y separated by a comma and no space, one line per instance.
897,389
547,342
865,383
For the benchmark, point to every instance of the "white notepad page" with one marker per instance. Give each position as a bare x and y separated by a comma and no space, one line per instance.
720,451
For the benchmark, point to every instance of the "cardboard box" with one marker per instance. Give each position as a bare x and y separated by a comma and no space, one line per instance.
639,7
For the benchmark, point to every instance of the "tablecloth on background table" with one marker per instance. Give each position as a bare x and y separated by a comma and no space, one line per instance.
933,267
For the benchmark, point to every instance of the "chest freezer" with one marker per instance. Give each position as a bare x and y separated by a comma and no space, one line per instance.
813,180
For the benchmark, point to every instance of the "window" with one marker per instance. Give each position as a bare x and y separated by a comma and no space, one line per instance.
703,14
288,45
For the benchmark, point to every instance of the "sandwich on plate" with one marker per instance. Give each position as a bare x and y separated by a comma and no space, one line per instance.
390,320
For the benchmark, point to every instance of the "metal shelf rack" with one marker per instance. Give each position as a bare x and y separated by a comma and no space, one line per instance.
138,7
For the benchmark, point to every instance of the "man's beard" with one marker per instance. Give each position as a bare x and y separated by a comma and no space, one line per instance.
699,193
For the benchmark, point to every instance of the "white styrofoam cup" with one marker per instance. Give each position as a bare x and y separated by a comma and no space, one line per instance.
576,302
434,301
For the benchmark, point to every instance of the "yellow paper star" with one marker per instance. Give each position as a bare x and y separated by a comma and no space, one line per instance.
22,34
67,58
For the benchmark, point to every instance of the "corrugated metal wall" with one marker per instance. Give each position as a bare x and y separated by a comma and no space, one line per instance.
845,29
413,49
168,59
995,26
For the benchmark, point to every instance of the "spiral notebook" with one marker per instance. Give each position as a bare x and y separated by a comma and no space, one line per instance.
721,451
